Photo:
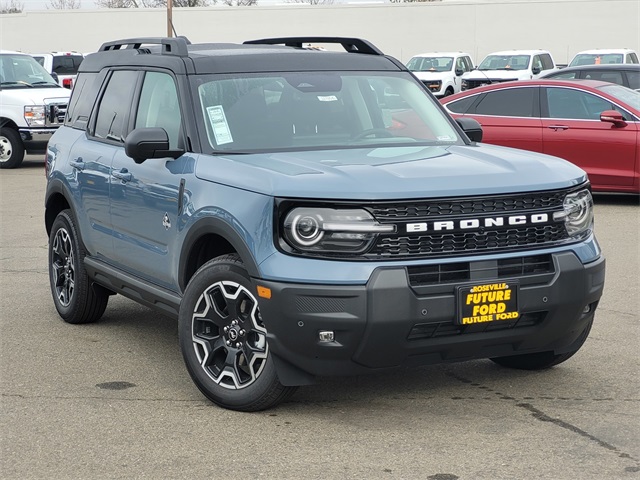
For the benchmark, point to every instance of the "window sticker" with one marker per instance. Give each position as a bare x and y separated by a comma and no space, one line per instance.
219,124
327,98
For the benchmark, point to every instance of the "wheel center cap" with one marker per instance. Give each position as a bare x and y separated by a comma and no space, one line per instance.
233,334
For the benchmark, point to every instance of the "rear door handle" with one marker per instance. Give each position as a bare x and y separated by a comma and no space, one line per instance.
77,163
122,174
558,127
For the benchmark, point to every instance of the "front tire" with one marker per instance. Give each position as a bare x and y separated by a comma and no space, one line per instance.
11,148
77,300
224,341
543,360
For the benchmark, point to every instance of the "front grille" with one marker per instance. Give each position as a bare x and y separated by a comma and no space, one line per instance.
439,274
487,81
433,85
460,242
423,331
421,209
449,231
55,110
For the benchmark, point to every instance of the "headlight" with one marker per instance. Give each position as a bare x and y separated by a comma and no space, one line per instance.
34,115
324,230
578,213
464,85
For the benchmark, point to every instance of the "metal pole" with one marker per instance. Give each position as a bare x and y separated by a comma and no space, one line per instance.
169,18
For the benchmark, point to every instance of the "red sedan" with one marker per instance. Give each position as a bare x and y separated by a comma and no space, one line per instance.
595,125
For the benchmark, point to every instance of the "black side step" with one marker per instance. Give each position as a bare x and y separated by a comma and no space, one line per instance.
152,296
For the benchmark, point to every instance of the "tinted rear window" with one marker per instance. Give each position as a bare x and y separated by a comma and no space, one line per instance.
512,102
67,64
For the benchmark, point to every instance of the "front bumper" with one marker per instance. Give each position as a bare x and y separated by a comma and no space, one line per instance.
35,139
389,323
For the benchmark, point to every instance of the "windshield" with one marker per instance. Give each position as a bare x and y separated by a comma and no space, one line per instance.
624,94
23,71
596,59
430,64
505,62
318,110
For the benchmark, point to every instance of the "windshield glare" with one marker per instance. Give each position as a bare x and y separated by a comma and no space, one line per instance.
430,64
22,71
624,94
311,110
505,62
596,59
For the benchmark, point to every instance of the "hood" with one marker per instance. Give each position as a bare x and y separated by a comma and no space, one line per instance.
33,96
391,172
497,75
432,75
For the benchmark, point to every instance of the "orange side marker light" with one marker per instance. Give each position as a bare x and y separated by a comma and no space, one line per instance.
264,292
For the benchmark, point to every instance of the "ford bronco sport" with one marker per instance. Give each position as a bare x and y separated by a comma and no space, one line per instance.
310,213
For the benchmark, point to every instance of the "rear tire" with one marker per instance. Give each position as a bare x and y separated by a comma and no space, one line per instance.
224,341
542,360
11,148
77,300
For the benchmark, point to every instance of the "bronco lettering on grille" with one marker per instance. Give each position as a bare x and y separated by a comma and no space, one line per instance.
476,223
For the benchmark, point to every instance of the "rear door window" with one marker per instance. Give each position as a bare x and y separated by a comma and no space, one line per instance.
113,112
547,62
512,102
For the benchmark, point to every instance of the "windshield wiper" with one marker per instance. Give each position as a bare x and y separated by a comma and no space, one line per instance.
53,84
16,83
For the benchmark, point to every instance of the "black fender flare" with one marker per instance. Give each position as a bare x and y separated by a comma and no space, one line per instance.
217,226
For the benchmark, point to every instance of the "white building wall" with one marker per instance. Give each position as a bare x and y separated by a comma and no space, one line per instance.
402,30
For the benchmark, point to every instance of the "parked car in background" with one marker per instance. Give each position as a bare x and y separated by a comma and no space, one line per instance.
593,124
626,74
63,64
32,107
508,66
441,72
602,56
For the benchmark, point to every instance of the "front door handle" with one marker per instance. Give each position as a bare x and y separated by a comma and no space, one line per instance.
77,163
122,174
558,127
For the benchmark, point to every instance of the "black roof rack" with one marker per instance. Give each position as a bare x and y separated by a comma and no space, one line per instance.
170,46
352,45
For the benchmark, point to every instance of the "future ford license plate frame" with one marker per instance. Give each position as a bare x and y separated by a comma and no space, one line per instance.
487,302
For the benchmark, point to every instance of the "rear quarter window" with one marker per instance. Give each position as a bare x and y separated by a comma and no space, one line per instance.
462,106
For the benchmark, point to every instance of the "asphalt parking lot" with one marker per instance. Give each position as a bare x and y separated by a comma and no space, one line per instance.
114,400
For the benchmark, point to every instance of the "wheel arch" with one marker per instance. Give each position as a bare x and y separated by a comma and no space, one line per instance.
208,239
8,123
57,200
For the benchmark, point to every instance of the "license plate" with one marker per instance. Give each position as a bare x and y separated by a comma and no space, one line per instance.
487,302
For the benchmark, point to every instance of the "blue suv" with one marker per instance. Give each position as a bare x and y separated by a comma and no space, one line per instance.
306,212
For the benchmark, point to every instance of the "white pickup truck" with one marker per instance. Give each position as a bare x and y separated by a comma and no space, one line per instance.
509,65
32,107
63,64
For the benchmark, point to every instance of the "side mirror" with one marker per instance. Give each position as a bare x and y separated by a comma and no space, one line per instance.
471,127
144,143
54,75
614,117
459,72
536,70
